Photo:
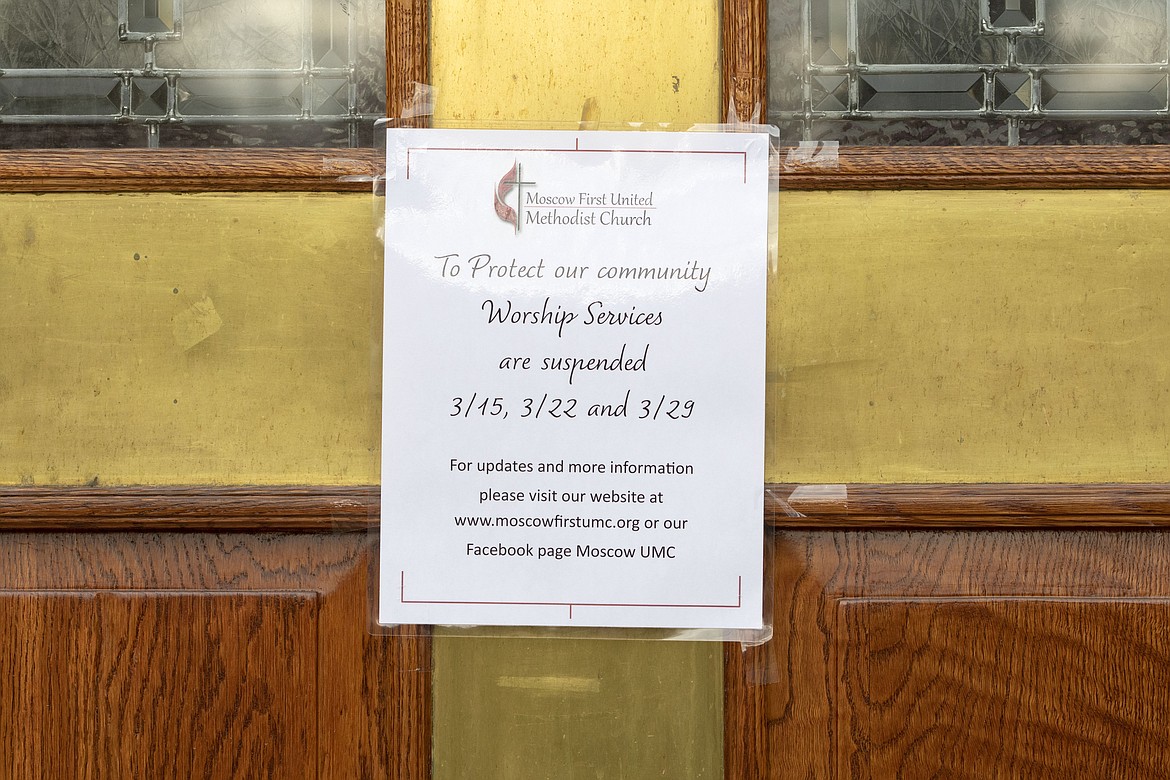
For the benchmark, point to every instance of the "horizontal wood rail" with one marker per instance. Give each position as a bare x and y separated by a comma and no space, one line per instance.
190,170
204,508
354,170
968,506
981,167
310,508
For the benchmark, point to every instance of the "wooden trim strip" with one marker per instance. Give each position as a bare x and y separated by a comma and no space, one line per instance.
982,167
191,170
961,506
744,40
312,508
408,49
280,508
354,170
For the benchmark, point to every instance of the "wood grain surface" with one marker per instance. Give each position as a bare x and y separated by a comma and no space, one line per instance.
354,170
965,654
190,170
982,167
231,508
978,687
1138,505
324,508
745,56
408,48
116,684
203,655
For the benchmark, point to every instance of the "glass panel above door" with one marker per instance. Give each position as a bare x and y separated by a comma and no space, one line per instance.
195,73
941,72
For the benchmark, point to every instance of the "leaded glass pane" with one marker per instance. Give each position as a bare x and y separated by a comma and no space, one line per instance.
921,32
1104,32
969,71
56,34
191,72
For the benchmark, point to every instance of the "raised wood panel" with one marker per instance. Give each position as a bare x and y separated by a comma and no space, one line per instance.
939,633
1002,688
113,684
203,655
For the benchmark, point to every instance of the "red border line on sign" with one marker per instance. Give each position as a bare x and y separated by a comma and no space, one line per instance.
577,148
402,599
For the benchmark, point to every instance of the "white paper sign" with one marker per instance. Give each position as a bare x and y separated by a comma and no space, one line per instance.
573,379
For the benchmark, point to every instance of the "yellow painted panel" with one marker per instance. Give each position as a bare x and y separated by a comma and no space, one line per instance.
970,336
636,60
514,708
158,339
510,708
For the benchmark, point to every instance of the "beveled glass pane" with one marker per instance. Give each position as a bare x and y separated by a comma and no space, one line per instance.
149,19
1103,91
1013,91
239,97
830,93
1011,13
829,32
44,95
330,96
149,96
330,34
921,92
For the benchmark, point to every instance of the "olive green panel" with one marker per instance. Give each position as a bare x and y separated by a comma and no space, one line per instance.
160,339
970,336
521,709
650,60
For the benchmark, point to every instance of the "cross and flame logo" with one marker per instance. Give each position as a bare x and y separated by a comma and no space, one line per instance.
512,180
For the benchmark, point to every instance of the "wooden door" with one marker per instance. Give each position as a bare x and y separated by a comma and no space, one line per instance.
969,627
969,568
157,623
162,618
1034,652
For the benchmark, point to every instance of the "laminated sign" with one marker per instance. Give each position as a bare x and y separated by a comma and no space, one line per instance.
573,379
